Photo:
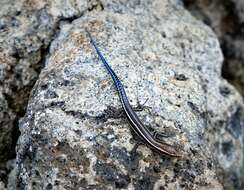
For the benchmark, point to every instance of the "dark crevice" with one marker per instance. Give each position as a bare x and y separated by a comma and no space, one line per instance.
19,107
18,103
44,52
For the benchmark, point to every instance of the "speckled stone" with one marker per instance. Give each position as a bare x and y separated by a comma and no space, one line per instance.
2,187
226,19
26,29
72,136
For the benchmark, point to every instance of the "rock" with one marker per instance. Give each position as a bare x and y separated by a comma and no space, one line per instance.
239,5
2,187
6,168
72,136
26,30
226,18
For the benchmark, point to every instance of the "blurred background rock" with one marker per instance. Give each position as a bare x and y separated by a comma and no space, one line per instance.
226,18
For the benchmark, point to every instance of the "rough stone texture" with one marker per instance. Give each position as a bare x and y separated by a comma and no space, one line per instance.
239,5
71,135
26,29
226,18
2,187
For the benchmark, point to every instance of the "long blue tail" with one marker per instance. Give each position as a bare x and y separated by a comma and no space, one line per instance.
115,78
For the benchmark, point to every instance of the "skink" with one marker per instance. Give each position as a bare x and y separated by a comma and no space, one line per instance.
131,115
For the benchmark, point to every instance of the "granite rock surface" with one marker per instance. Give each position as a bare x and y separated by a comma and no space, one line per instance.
27,28
73,135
